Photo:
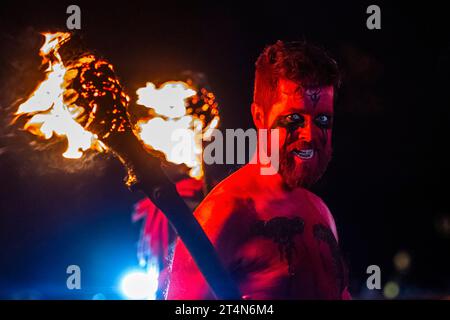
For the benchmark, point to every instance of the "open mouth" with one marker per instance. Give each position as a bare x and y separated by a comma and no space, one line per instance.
304,154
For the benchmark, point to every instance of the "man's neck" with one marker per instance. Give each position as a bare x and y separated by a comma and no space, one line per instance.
271,182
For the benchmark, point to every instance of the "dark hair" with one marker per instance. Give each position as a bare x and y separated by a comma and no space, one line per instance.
301,62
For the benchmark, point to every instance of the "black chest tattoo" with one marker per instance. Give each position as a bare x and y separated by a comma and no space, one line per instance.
282,231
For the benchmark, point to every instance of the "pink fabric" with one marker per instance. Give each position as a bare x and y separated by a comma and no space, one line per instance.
157,233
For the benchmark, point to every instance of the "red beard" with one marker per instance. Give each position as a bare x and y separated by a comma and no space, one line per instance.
297,172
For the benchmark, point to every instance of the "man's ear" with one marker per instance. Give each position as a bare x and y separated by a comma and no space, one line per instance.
258,115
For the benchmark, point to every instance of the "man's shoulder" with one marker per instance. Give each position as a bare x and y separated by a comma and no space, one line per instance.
223,200
232,188
323,210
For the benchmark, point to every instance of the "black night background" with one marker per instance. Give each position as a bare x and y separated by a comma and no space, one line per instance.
387,185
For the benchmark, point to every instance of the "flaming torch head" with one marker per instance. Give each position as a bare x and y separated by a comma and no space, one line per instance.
93,85
81,99
178,105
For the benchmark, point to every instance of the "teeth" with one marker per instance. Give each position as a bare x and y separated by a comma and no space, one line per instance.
304,154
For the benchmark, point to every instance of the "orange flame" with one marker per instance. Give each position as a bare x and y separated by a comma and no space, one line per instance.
170,103
50,113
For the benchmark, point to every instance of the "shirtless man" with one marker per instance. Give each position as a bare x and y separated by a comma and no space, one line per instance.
277,239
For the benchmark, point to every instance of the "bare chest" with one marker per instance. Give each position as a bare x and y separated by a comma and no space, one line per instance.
289,247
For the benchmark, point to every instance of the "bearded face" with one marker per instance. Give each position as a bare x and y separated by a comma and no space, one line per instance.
304,119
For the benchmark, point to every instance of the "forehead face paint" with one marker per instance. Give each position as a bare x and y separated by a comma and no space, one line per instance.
304,118
313,95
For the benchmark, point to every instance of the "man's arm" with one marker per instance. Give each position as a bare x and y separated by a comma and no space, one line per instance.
326,214
186,280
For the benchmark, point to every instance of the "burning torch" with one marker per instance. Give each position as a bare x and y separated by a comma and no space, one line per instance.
83,100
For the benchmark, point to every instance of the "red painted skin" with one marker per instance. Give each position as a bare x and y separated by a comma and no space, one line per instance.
233,207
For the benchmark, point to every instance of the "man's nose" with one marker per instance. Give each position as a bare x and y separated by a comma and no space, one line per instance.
305,132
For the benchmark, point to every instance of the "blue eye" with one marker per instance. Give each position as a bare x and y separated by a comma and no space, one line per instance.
323,121
295,118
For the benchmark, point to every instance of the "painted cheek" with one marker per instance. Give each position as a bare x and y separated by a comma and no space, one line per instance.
282,135
319,136
325,137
